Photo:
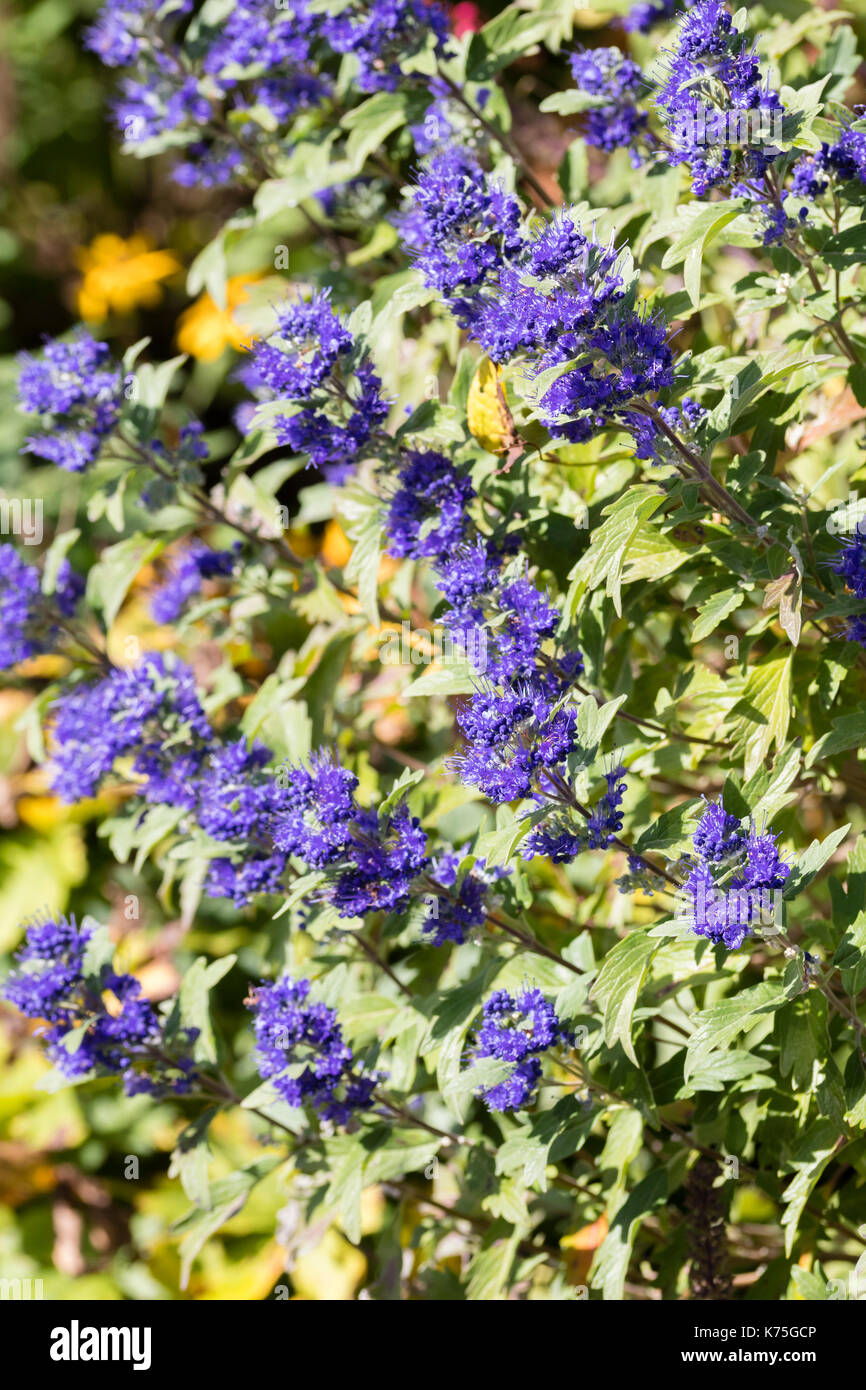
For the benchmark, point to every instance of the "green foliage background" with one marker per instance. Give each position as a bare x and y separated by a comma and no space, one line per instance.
89,1194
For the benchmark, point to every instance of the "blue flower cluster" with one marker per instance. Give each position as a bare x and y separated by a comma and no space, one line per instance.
642,17
196,563
150,717
732,877
426,516
553,297
149,712
300,1049
651,443
99,1021
28,618
518,728
614,80
850,563
314,364
218,90
373,859
453,914
840,161
517,1029
561,836
620,362
383,34
724,121
463,228
77,389
227,92
711,78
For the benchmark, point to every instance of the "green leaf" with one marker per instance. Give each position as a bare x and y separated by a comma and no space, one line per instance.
669,830
396,1158
307,169
509,35
54,557
810,1285
152,383
850,956
705,224
723,1067
141,832
347,1158
190,1160
719,1024
490,1269
812,860
767,791
362,569
813,1154
497,846
550,1137
278,720
462,1085
714,611
848,731
618,985
454,676
765,708
610,1266
382,239
698,220
603,561
623,1144
98,954
194,1002
409,778
362,1019
225,1199
846,249
802,1033
371,123
110,578
653,555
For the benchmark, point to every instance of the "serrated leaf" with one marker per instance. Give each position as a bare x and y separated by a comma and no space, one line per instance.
765,707
813,1154
363,567
610,1266
714,611
603,561
719,1024
812,860
850,956
194,1001
618,985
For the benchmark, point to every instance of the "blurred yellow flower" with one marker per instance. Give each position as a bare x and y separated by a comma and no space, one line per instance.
121,275
336,546
204,329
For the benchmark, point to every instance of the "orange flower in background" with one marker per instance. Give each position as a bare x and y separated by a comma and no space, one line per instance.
121,275
580,1247
205,330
